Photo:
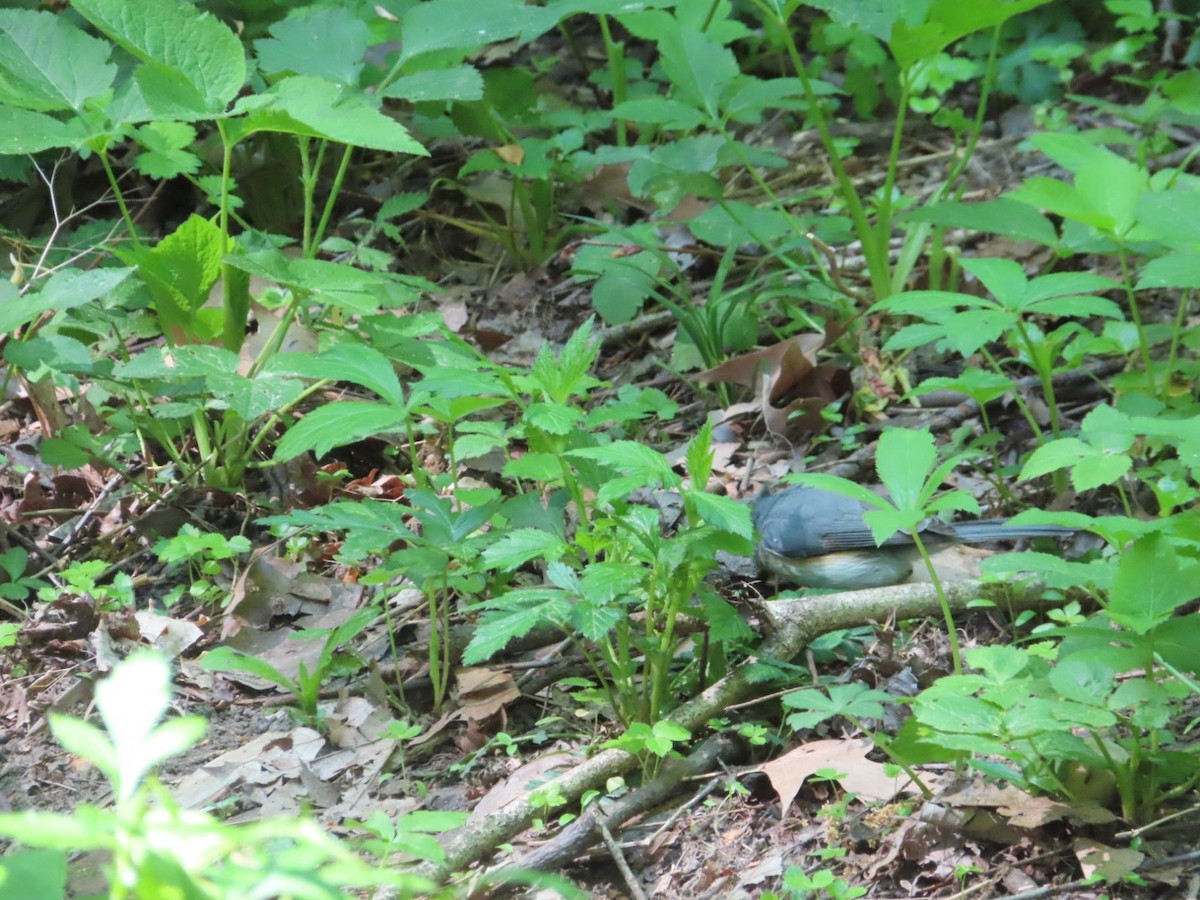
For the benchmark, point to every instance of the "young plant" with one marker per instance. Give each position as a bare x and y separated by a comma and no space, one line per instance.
306,686
967,324
906,462
156,849
203,553
624,603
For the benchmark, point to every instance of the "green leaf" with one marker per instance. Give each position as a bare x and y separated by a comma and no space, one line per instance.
349,361
521,546
226,659
595,620
553,418
460,25
1152,581
189,47
495,632
87,828
48,64
306,105
455,83
1004,217
946,21
700,69
904,458
180,272
876,17
26,874
724,513
65,289
630,458
335,283
329,43
23,131
1175,270
165,155
337,424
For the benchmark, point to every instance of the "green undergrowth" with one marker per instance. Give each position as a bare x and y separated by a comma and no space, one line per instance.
278,317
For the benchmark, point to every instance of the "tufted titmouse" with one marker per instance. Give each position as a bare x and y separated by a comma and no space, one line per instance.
816,538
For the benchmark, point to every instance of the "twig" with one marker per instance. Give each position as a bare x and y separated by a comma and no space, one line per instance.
622,866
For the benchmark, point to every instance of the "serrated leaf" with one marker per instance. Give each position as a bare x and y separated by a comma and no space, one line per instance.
24,132
165,155
338,424
327,43
319,108
455,83
554,418
47,64
350,361
177,38
700,69
496,630
460,25
724,513
521,546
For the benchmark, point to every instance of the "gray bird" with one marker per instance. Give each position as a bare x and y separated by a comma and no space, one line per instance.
817,538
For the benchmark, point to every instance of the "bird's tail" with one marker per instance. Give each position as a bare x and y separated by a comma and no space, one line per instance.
985,530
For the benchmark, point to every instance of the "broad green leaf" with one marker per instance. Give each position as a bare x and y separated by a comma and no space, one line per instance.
620,291
700,69
554,418
226,659
1062,199
1153,580
876,17
1003,216
904,458
177,37
521,546
497,630
724,513
1175,270
595,620
33,873
319,108
87,828
946,21
165,154
337,424
65,289
180,272
1087,677
336,283
23,131
659,111
630,458
47,64
252,398
460,25
350,361
1172,216
455,83
1004,278
328,42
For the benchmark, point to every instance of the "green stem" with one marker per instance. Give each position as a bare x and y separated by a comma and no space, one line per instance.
338,178
120,198
1136,315
943,601
615,50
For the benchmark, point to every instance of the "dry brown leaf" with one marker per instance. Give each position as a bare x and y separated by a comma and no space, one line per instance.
785,370
859,775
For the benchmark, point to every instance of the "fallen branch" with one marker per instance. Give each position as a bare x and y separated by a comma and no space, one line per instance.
794,624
